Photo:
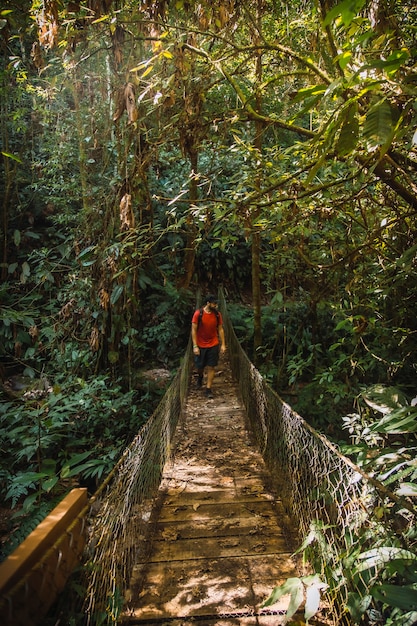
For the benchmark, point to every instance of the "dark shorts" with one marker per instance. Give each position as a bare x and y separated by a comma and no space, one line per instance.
207,356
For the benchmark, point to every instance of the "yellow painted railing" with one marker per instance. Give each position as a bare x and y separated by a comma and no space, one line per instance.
36,572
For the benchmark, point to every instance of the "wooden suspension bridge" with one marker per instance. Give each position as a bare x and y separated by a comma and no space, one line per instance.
219,539
214,540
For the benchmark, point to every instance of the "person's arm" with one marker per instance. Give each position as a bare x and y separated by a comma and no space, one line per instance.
222,339
196,349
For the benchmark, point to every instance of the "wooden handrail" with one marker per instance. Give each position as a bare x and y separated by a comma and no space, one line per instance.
28,564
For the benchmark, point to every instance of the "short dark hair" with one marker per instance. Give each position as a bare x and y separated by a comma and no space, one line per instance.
211,298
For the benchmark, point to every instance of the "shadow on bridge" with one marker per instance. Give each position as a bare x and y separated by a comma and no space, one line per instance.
188,526
218,542
215,544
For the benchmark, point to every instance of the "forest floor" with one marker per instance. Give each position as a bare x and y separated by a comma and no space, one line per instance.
220,539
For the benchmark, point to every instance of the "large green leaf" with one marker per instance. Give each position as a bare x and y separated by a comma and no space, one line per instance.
379,124
357,605
404,597
310,92
296,599
346,10
407,489
116,293
392,64
406,260
297,588
377,557
402,420
314,586
85,256
349,132
8,155
292,586
384,399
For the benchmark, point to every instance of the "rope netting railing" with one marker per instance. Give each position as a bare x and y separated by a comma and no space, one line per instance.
349,524
121,509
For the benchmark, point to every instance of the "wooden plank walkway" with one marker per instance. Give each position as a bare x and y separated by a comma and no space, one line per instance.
217,547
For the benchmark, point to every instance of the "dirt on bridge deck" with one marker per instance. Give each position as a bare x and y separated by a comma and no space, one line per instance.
218,545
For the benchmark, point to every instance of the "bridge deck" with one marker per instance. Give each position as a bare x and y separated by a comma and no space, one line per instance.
217,547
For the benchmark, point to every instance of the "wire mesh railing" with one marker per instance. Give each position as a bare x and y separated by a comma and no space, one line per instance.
350,525
121,509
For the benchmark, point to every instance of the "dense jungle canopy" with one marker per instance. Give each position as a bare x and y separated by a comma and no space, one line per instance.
151,148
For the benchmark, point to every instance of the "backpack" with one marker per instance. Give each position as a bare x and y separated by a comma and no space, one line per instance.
201,315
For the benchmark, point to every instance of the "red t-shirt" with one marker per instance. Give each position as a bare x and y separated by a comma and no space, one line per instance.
207,335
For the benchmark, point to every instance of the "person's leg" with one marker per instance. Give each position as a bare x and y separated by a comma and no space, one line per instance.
212,360
210,376
199,362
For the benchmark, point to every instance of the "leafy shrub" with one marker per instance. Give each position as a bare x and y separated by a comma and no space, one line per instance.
168,324
73,434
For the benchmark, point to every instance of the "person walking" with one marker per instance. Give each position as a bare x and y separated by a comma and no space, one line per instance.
207,334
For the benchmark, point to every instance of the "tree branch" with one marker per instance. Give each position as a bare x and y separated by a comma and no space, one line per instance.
381,169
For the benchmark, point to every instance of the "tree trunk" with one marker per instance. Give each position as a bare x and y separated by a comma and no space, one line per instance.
8,179
256,293
256,239
5,219
189,256
82,161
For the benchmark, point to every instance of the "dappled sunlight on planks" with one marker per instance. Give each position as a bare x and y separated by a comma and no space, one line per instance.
217,547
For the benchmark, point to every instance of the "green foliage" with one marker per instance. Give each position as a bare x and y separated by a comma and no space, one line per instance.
242,320
385,446
398,598
75,432
371,573
26,526
309,143
346,10
168,323
226,260
404,598
306,589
